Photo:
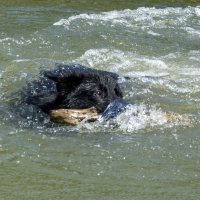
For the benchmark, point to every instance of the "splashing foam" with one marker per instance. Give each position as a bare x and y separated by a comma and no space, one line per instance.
130,18
137,117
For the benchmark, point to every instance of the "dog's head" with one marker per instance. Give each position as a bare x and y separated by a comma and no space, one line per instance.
79,87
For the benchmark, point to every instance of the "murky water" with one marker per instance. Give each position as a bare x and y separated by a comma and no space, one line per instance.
149,152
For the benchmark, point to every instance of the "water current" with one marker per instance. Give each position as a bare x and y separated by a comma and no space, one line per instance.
149,152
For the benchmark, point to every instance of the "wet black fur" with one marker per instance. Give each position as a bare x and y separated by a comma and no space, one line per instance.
73,86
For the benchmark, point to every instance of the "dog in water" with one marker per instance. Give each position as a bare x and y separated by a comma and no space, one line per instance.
76,89
74,93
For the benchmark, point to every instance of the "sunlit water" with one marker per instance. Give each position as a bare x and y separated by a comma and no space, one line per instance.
151,151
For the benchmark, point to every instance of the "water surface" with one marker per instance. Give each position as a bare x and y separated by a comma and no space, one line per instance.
140,155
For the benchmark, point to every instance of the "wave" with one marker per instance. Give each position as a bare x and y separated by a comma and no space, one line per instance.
149,17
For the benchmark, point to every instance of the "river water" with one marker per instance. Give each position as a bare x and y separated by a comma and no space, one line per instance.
140,155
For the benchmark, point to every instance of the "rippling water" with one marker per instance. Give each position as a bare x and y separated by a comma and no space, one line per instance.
152,150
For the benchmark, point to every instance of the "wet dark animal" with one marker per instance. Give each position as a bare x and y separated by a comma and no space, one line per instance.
76,87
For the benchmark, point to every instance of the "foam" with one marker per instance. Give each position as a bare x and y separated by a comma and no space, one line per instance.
149,17
139,117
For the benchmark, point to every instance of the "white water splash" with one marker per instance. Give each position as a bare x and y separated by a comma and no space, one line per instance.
149,17
139,117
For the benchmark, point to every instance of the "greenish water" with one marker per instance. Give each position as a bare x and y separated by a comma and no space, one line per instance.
156,44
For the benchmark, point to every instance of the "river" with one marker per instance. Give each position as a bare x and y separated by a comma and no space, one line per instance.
141,154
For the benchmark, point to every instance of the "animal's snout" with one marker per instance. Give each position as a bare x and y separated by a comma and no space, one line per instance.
114,109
